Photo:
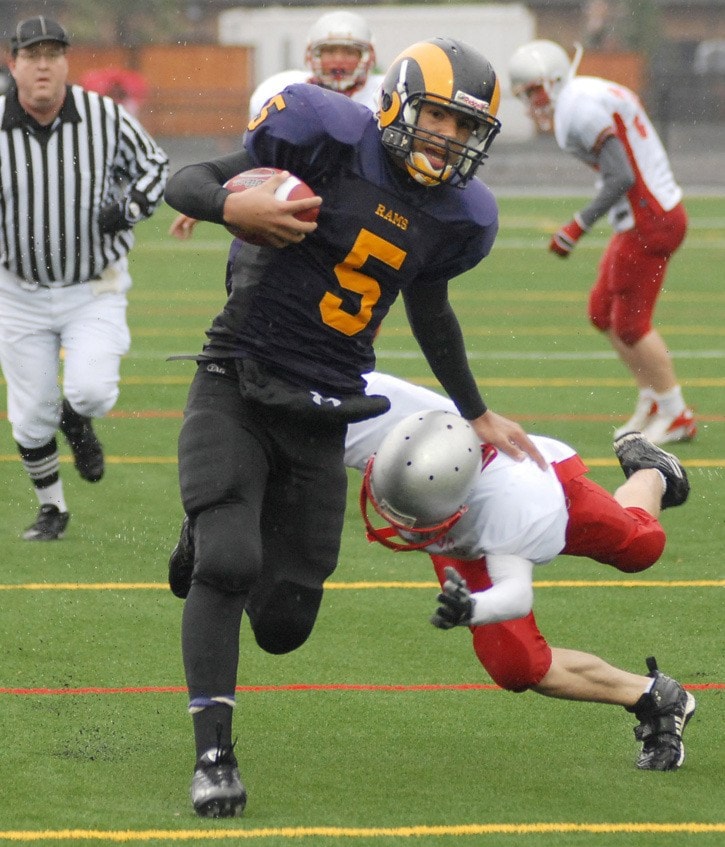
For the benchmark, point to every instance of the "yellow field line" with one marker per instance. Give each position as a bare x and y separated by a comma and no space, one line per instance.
369,585
126,836
172,460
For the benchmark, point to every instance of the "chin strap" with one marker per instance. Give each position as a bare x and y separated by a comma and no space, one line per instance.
578,53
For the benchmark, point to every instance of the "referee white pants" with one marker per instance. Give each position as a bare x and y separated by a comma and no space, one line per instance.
87,322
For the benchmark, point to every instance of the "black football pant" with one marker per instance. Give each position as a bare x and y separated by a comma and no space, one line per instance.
266,495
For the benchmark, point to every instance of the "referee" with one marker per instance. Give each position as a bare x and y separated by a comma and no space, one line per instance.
76,173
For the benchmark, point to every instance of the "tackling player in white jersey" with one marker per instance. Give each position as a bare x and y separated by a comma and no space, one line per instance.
603,124
487,521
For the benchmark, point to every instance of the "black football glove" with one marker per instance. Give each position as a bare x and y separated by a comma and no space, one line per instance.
120,214
456,607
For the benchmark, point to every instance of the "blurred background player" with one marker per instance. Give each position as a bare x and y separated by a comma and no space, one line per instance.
603,124
339,56
487,522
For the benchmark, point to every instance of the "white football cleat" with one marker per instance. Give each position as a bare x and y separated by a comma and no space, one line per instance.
665,429
645,409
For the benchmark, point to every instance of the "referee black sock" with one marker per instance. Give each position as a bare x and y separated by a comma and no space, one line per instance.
41,463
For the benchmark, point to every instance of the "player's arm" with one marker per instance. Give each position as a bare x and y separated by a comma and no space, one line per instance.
510,596
438,332
143,168
197,190
616,177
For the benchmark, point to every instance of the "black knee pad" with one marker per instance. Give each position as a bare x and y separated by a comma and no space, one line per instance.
228,551
283,619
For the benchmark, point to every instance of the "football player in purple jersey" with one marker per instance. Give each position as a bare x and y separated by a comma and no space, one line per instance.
261,449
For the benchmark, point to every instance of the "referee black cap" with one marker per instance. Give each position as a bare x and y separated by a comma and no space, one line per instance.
34,30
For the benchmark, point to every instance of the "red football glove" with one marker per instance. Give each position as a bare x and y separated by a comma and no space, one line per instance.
564,241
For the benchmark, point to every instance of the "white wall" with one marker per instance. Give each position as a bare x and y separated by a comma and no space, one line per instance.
278,35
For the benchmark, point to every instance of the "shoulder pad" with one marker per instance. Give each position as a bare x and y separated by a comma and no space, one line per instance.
313,113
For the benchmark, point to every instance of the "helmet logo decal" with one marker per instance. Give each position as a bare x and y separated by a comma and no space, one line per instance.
390,111
480,105
472,103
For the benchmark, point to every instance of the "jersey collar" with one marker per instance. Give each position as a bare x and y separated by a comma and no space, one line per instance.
15,116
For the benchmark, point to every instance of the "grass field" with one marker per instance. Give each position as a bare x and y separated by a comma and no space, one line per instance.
381,730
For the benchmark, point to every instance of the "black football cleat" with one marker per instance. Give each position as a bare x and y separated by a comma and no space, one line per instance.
86,448
49,525
635,453
181,561
663,713
216,787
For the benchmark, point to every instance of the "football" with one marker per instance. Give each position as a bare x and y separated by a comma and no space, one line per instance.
292,188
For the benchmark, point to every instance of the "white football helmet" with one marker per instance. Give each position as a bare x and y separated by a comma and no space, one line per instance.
345,29
420,477
538,71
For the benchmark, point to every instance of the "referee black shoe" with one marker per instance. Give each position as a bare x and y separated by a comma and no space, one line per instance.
635,453
181,561
49,525
87,450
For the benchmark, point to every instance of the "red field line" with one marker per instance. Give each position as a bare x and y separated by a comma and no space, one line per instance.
261,689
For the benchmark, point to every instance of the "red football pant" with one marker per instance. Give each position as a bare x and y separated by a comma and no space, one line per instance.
515,653
631,274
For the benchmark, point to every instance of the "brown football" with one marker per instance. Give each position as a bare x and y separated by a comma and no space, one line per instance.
292,188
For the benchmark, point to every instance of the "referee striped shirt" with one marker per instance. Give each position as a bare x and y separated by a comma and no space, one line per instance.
55,179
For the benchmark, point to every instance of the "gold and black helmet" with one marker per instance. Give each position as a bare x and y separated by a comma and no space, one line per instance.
447,73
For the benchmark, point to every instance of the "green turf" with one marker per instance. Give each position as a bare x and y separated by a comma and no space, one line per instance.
376,767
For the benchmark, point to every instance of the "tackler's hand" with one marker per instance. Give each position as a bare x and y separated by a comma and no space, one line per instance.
456,607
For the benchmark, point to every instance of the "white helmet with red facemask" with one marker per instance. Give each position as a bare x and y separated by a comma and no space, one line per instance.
420,477
340,29
538,71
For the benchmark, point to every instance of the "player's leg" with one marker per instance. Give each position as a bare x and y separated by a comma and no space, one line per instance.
95,337
629,538
302,523
514,653
574,675
637,271
661,704
600,310
29,351
223,468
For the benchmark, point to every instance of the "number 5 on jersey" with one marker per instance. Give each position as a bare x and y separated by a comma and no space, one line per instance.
349,276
